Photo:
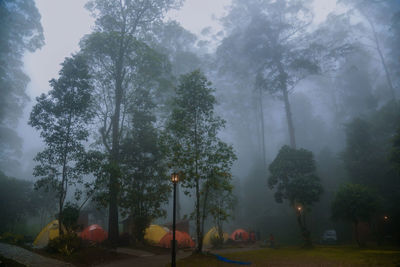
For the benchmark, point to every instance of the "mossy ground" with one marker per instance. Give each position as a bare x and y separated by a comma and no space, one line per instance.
290,256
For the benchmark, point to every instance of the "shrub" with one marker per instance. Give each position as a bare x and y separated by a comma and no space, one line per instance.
11,238
65,244
217,242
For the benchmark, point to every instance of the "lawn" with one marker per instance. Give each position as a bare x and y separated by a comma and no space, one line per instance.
319,256
87,256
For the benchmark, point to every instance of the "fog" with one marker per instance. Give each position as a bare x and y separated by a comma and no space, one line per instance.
318,77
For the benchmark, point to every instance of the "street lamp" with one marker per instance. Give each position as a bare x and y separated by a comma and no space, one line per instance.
174,180
299,208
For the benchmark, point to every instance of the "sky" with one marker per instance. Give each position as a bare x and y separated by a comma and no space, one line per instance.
65,22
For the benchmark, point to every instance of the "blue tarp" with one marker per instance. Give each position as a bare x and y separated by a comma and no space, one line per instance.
231,261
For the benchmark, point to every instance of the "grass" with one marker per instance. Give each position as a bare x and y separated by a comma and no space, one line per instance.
290,256
152,249
9,263
88,256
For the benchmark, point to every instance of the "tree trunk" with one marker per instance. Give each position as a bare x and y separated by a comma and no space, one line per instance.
203,216
260,99
198,224
304,231
356,235
379,50
289,117
113,231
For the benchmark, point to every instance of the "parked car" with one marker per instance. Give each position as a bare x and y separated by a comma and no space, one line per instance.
329,237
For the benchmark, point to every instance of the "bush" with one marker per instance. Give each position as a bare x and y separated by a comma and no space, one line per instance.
65,244
11,238
217,242
70,217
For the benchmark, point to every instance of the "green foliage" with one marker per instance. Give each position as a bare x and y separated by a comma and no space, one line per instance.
16,201
10,238
121,63
217,241
145,186
192,144
66,244
70,217
395,153
20,30
293,176
62,116
369,154
354,202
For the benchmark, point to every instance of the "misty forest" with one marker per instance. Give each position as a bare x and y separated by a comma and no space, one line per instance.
280,119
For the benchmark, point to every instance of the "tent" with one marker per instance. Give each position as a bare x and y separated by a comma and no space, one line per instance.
240,235
48,232
213,233
154,233
94,233
183,239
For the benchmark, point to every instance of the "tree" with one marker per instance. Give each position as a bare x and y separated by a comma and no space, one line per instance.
114,52
293,176
194,148
376,15
144,184
395,153
220,202
20,30
354,203
62,116
15,201
273,36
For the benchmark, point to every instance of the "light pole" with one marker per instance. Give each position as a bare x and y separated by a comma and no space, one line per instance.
174,180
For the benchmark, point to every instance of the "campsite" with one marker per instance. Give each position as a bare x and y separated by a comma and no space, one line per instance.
199,133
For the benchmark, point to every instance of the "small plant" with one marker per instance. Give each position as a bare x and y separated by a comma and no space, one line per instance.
66,244
11,238
217,242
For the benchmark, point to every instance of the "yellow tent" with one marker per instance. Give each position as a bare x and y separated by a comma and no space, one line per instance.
213,233
154,233
48,232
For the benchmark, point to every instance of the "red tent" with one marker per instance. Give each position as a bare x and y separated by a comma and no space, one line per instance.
184,240
94,233
240,235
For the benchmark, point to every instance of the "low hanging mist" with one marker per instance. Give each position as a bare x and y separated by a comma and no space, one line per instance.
281,118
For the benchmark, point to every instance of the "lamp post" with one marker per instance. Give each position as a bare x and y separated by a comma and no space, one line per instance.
174,180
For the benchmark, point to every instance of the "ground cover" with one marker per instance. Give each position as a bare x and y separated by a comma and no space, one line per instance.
151,249
87,256
4,262
290,256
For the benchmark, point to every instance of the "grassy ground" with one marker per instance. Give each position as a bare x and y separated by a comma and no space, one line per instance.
88,256
4,262
152,249
319,256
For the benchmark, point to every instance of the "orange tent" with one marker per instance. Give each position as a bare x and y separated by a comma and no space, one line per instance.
239,235
183,239
94,233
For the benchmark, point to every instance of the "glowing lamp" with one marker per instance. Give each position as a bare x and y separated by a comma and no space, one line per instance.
174,178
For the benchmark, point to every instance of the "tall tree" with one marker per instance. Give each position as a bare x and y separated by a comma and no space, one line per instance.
376,15
144,184
274,38
113,48
194,146
62,116
354,203
20,30
293,174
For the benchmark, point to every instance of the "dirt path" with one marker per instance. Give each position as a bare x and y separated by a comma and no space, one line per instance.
29,258
145,259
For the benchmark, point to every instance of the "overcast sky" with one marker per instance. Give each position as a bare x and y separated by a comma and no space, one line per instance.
66,21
